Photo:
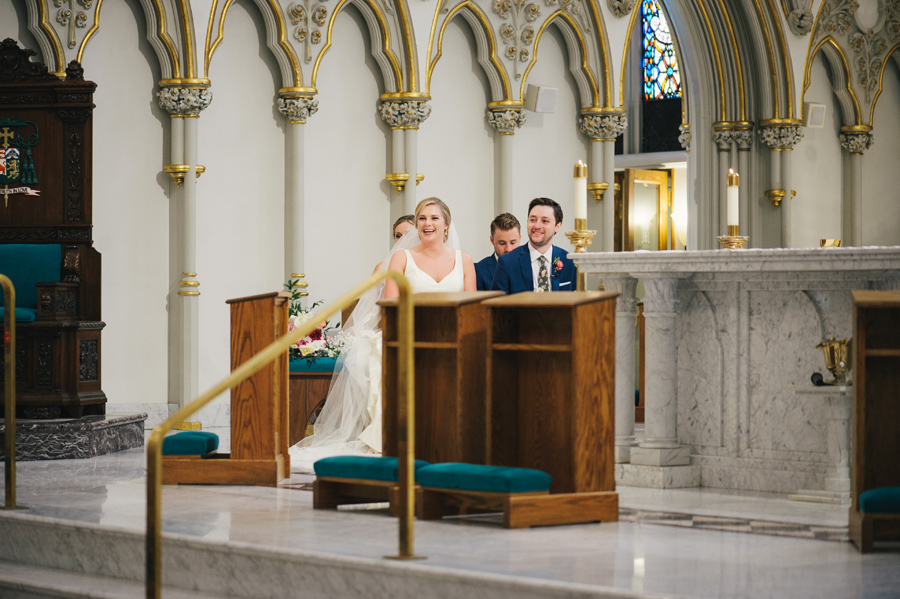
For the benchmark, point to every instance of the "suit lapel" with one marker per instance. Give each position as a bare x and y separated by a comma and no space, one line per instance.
554,279
525,263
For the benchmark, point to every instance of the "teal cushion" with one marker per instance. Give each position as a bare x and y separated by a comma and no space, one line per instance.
472,477
22,314
363,467
885,500
190,443
26,264
313,365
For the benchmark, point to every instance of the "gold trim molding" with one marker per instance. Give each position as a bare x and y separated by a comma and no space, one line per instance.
598,189
398,180
188,293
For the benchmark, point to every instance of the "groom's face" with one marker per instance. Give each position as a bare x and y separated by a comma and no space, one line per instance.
542,226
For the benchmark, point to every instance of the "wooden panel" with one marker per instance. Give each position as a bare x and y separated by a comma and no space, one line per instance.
224,470
252,406
307,389
562,508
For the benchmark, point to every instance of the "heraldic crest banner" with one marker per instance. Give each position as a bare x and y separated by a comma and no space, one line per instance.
16,161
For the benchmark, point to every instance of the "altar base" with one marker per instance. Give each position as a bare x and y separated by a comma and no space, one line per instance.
81,438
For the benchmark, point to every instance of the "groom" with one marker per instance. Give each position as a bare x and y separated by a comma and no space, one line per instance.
538,265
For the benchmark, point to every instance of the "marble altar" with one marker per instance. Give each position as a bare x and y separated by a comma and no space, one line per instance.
730,334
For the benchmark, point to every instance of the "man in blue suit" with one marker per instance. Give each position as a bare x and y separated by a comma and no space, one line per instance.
538,265
505,235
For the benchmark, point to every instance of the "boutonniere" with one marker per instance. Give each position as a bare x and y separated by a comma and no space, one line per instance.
557,264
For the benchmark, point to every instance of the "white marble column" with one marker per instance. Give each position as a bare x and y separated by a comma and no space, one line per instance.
660,445
855,141
837,402
184,104
297,110
405,115
744,139
626,312
504,119
603,128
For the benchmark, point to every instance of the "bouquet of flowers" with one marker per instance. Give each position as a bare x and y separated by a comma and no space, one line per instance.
324,342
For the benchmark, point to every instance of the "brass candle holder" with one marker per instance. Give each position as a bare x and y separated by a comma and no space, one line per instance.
837,359
581,238
733,241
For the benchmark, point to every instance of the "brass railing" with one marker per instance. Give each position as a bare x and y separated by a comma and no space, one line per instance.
277,348
9,366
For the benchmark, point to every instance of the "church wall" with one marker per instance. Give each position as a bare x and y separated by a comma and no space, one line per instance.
881,192
817,206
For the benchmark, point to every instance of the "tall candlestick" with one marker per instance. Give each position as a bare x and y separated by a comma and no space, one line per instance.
580,191
731,199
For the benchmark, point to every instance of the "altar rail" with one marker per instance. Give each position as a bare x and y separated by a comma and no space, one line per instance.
405,396
729,333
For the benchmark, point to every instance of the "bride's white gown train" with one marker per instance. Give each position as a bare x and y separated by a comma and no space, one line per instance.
350,421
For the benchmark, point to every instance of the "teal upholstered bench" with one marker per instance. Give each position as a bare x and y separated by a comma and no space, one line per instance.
27,265
878,516
345,480
190,444
453,488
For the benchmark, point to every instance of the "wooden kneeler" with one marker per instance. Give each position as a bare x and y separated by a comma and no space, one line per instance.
350,480
522,494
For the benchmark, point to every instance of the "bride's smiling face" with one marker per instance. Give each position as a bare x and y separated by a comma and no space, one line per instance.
431,224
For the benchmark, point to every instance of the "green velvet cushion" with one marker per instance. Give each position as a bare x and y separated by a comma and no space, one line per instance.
27,264
472,477
362,467
314,365
885,500
22,314
190,443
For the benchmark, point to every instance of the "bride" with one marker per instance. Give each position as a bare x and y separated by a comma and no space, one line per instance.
350,421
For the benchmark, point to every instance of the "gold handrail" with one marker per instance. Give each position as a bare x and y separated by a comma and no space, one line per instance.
260,360
9,365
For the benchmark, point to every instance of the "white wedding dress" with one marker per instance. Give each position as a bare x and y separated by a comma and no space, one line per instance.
350,421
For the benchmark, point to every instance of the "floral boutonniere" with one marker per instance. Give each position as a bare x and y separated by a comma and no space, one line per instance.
557,265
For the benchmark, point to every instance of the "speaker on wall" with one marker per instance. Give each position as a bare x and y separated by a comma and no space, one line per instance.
540,98
813,115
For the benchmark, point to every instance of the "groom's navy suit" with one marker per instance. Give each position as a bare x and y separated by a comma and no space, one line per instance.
484,272
514,274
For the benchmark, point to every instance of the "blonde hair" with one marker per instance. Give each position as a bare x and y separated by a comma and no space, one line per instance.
445,211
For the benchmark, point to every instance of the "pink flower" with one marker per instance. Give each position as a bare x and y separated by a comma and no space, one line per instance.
557,264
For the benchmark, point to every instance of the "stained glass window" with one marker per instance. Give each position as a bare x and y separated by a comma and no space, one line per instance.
661,76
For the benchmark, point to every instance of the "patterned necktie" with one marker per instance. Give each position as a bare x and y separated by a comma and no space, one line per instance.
543,278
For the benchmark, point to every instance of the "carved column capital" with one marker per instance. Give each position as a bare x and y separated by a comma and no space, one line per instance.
660,294
801,20
405,114
626,303
743,138
184,101
723,139
781,137
620,8
298,109
603,126
685,138
506,120
857,142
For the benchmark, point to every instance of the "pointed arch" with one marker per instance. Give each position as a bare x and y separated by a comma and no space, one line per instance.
895,52
578,57
840,72
486,52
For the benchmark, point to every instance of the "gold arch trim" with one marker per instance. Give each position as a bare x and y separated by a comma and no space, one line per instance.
486,26
848,75
773,72
720,75
737,60
884,64
561,14
409,47
54,40
163,34
90,33
785,59
385,34
600,28
187,36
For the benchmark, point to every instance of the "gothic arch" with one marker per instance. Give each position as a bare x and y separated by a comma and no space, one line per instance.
486,51
895,53
840,72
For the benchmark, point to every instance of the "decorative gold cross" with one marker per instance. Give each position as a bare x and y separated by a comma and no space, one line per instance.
6,134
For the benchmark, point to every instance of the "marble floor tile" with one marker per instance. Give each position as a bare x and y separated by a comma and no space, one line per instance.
702,543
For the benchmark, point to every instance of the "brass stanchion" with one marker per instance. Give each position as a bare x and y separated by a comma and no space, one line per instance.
9,357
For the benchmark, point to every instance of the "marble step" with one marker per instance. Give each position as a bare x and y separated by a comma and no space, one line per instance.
237,570
19,581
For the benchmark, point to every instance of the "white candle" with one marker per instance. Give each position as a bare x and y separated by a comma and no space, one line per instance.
731,199
580,190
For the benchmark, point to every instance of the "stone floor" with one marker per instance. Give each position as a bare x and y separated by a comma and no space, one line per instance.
684,542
